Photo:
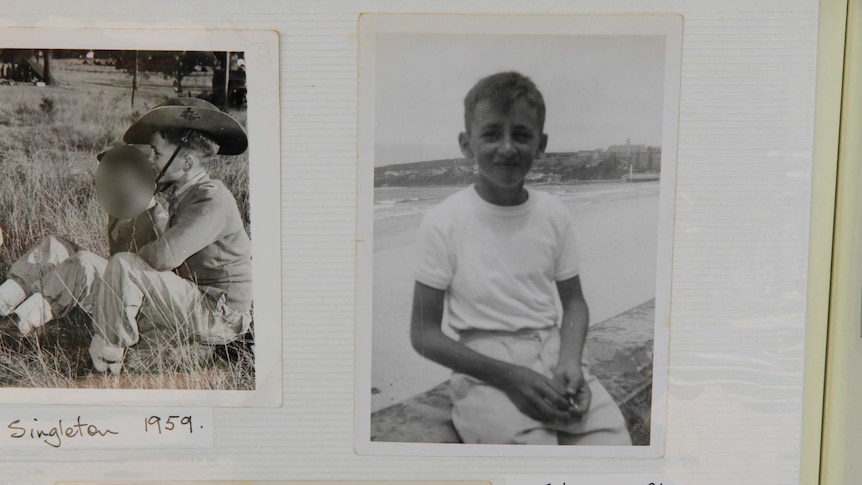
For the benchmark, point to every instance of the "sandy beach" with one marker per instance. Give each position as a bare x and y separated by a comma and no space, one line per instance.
616,225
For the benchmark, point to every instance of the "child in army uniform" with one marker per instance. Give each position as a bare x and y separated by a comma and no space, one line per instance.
194,280
186,274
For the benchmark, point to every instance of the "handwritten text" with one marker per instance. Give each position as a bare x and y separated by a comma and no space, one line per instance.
53,435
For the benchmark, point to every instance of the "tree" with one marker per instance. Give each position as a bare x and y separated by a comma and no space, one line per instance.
46,72
170,64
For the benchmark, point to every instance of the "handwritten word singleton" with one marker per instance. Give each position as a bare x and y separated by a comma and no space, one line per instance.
53,434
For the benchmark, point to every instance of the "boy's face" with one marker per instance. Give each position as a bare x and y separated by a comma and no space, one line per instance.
503,143
161,154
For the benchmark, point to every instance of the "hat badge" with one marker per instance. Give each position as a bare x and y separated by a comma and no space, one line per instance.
190,114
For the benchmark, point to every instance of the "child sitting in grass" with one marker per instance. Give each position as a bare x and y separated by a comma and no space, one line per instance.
55,275
192,283
188,281
499,257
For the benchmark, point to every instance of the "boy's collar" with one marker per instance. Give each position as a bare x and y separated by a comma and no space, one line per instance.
176,189
502,198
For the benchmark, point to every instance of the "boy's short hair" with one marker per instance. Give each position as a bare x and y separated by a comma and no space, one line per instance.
194,139
503,89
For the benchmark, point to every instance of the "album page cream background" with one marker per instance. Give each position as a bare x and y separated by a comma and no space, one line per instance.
740,258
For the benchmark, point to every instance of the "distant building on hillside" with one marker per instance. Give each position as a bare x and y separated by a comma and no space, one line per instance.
626,151
642,157
653,159
582,158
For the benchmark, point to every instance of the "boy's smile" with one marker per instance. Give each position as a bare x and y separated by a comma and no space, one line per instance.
504,144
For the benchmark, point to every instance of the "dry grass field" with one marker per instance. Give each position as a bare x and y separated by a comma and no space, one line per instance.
49,138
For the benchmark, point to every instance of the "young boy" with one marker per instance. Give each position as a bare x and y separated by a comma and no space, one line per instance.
194,281
55,275
499,255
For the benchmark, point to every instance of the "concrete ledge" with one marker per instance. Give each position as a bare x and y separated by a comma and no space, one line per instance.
619,351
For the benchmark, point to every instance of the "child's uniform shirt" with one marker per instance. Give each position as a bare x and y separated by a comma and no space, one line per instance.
205,242
202,284
498,264
132,234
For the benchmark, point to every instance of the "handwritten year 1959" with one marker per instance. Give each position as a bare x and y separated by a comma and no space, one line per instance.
160,424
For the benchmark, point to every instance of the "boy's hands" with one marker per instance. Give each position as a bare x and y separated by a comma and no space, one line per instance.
532,393
535,395
571,377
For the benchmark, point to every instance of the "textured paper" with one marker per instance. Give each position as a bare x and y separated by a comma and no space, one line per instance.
71,428
740,254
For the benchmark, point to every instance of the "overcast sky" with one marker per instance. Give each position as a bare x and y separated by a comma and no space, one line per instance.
599,90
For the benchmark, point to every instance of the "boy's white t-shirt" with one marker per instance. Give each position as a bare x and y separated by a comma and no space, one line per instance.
498,264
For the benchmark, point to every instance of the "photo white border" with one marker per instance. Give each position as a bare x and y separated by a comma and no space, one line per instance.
648,24
261,54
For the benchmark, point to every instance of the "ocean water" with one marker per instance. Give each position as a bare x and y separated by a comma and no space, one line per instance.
616,226
400,209
405,201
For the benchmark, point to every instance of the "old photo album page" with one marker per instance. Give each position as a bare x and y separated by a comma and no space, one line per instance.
516,190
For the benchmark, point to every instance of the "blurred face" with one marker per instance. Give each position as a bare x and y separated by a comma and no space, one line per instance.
504,144
161,154
126,193
124,186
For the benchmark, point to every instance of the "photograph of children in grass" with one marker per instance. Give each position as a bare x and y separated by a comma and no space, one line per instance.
124,206
515,238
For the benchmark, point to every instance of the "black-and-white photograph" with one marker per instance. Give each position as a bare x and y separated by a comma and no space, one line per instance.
125,206
519,208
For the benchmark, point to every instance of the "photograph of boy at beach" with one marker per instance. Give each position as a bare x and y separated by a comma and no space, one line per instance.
516,240
500,255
